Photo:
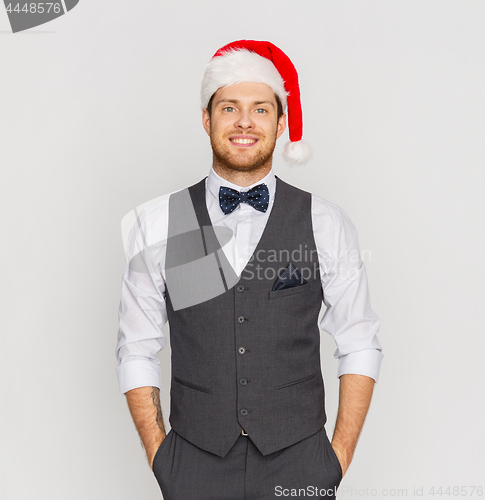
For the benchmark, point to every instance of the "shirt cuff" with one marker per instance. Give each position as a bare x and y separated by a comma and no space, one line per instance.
138,373
365,362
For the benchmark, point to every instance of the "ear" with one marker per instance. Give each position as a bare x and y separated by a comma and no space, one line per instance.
206,121
281,125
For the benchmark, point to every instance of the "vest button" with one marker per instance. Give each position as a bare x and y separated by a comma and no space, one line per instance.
243,381
240,288
242,350
241,319
244,412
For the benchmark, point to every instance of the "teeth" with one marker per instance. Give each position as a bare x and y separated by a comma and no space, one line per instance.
243,141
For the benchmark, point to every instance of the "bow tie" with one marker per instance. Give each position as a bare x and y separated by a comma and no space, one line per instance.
257,196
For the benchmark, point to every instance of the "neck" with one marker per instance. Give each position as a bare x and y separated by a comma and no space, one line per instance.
244,176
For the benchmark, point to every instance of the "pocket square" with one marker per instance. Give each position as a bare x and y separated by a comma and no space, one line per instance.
289,277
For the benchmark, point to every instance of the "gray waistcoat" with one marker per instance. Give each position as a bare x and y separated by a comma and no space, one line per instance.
245,356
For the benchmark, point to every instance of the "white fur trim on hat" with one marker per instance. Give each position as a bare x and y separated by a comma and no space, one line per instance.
297,153
237,66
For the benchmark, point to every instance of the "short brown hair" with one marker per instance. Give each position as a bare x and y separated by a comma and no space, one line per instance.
278,105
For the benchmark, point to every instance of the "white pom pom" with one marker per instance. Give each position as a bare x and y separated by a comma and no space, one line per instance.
297,153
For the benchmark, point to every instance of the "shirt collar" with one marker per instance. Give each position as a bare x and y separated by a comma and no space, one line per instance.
215,181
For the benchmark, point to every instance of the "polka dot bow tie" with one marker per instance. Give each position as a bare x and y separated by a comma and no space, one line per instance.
258,197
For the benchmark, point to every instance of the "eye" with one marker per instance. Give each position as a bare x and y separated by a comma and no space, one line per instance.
228,108
263,111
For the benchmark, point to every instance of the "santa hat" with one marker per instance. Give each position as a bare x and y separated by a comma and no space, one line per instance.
261,62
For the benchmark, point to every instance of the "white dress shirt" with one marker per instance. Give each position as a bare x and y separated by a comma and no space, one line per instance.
348,318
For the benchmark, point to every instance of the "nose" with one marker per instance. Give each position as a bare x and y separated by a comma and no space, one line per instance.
244,121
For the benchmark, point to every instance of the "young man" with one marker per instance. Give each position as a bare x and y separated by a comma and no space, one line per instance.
239,264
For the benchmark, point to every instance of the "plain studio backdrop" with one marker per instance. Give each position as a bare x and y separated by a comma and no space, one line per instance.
99,113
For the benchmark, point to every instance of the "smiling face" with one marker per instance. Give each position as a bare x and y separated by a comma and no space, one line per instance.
244,126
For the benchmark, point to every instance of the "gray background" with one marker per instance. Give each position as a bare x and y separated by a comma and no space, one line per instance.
100,113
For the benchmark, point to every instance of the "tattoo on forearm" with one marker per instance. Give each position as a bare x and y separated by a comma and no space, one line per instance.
156,402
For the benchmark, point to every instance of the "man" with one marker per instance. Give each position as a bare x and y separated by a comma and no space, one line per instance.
239,264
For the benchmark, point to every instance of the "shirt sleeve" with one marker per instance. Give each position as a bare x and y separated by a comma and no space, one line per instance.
142,311
349,317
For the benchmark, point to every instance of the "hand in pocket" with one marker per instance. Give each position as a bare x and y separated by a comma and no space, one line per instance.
154,453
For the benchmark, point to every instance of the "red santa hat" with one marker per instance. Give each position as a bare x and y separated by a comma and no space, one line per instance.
261,62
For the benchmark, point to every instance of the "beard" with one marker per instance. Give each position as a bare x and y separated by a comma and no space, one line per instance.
245,159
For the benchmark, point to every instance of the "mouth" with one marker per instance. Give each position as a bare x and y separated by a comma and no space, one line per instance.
243,141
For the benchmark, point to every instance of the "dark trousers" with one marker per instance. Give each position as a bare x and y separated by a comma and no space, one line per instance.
309,467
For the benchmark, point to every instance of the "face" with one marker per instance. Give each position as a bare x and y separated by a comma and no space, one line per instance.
244,126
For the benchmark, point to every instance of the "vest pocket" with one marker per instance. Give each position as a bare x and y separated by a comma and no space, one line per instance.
191,385
296,382
285,292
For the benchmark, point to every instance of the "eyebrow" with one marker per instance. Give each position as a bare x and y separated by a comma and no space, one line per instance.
235,101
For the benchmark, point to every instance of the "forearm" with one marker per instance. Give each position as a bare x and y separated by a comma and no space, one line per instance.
355,395
145,409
